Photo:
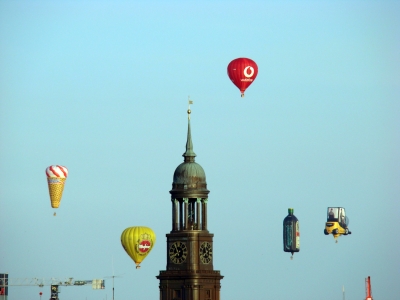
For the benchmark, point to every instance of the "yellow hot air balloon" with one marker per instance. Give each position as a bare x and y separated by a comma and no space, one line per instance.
138,242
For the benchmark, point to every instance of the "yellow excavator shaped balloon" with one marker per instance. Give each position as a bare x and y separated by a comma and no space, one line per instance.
138,242
337,222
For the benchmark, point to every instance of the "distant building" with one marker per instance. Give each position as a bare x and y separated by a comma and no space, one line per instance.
3,286
190,273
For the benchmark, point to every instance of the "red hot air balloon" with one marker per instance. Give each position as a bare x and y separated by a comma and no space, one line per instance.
242,71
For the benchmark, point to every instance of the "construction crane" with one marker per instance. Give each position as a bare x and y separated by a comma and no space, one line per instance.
368,290
54,283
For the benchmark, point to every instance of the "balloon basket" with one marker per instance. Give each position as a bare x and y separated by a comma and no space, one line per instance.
242,95
137,267
54,214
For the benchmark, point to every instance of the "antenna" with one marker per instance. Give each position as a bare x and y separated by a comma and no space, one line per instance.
112,264
368,288
113,276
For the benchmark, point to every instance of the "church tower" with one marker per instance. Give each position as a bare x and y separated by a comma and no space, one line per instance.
190,273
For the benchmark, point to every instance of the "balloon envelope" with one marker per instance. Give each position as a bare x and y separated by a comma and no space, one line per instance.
291,233
242,71
138,242
56,177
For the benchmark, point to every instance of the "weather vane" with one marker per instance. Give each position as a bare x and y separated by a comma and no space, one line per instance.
189,111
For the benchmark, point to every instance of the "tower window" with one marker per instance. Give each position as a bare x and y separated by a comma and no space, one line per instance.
176,295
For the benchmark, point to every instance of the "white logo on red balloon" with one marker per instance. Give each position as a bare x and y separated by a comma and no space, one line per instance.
144,246
248,75
246,70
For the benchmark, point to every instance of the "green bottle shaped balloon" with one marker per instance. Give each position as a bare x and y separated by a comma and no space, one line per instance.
291,233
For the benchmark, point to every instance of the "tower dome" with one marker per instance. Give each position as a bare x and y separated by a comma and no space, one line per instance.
189,173
189,177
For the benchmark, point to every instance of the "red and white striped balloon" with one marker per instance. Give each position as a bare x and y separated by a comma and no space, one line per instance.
57,171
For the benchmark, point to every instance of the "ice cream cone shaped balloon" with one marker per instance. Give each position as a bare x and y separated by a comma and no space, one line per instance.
138,242
56,176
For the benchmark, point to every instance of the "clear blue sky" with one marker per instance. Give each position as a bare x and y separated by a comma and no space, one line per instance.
102,86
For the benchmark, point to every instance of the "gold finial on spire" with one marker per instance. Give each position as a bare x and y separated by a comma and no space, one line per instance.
189,111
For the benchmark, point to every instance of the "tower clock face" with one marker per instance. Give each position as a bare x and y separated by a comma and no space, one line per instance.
178,252
205,253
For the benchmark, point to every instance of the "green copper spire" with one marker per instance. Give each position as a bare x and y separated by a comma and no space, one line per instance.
189,154
189,177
